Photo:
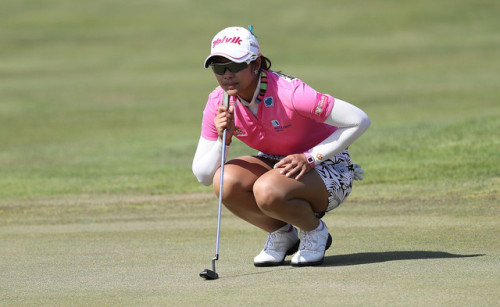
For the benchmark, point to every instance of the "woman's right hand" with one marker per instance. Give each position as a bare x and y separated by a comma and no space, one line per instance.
225,120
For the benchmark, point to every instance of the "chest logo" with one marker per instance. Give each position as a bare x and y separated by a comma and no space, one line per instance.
268,101
278,127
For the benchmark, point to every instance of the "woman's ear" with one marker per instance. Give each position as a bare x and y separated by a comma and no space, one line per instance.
256,65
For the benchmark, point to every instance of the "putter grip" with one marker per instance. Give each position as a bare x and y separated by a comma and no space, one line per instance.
225,100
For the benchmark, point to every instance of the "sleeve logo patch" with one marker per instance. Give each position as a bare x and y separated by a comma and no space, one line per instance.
321,101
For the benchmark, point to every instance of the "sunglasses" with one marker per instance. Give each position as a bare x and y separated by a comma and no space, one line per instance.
220,68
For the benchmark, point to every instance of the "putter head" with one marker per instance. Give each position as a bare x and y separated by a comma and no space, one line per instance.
209,274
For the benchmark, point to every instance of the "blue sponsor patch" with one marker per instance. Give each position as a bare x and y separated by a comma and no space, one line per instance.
268,101
275,123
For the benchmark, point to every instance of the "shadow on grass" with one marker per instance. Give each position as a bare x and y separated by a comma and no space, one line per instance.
376,257
367,258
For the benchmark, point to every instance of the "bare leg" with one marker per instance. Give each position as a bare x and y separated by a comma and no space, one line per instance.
292,201
238,196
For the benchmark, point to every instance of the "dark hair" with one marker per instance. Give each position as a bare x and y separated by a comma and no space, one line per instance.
265,63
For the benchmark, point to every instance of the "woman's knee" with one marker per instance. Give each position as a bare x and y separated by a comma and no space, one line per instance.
240,175
232,185
267,193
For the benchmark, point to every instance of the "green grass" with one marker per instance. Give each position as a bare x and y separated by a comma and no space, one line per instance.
124,250
100,113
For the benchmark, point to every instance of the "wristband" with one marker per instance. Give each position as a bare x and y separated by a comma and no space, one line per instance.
310,159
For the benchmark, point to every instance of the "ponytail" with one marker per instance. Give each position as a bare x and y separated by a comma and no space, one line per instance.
265,63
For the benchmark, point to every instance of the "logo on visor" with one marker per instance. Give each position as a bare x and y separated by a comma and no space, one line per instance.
225,39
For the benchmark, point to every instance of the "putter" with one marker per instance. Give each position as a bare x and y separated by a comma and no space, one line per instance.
211,274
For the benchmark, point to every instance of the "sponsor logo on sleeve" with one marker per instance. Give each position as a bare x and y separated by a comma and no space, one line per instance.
320,106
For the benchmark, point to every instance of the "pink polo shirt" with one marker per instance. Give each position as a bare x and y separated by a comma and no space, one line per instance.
289,118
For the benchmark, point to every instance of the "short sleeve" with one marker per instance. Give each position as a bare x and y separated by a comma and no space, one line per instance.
312,104
208,129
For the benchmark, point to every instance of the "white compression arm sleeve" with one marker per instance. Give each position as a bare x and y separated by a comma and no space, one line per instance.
351,122
207,160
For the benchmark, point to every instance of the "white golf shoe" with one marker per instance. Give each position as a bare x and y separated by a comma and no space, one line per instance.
313,245
279,244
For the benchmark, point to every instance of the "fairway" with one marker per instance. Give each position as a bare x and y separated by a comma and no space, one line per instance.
100,114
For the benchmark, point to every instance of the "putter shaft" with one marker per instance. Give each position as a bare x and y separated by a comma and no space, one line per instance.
212,274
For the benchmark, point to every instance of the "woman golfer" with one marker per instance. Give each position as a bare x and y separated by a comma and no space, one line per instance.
302,170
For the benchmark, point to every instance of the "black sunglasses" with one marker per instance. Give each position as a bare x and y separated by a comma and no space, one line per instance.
220,68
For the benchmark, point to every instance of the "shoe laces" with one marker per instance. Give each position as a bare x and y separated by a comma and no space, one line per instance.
307,240
271,237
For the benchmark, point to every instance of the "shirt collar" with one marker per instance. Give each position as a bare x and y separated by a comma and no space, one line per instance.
260,90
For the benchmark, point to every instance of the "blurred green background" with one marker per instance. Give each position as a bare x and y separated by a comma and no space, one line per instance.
106,96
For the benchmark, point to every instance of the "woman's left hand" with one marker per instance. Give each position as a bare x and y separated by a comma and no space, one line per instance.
294,165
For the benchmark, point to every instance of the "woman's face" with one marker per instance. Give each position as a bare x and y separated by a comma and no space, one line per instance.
241,83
